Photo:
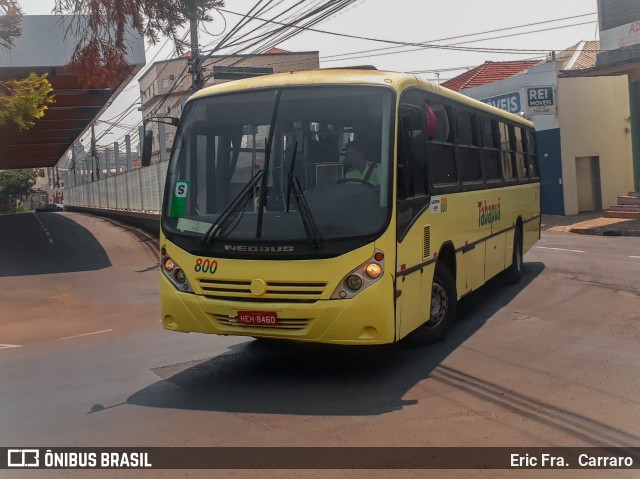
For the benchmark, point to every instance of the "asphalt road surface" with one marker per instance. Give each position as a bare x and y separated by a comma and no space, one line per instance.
553,361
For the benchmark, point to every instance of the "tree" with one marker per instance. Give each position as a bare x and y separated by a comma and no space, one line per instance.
101,26
14,184
22,101
9,23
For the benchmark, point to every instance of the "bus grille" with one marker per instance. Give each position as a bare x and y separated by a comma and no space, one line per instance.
283,323
277,292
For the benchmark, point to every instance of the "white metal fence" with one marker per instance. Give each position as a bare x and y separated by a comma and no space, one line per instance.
136,190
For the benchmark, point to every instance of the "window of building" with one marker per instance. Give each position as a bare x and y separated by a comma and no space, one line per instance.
41,173
165,83
236,73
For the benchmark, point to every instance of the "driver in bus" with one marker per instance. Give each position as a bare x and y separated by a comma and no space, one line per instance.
358,168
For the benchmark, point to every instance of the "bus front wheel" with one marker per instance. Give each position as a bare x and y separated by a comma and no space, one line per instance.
442,311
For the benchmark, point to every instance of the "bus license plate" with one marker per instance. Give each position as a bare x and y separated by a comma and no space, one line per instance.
258,318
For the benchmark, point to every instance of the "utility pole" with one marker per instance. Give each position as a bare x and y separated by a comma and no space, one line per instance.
195,65
94,156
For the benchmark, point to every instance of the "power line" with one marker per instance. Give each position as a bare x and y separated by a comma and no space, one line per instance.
457,37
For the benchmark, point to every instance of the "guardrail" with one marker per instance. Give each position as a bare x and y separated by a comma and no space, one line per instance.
133,197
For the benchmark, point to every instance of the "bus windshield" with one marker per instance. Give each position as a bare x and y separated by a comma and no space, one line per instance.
298,163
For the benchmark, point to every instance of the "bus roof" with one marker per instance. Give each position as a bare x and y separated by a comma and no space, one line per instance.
354,76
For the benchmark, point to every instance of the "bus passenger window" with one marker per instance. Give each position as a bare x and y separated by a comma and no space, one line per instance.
490,149
530,150
520,159
440,148
468,148
508,153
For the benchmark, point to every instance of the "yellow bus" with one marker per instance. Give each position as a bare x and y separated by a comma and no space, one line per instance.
346,206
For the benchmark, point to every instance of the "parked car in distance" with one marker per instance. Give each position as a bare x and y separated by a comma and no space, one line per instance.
50,207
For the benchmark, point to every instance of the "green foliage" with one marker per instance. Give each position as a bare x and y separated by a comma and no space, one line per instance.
14,184
25,100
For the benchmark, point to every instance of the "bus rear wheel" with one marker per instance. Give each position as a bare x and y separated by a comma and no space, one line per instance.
442,311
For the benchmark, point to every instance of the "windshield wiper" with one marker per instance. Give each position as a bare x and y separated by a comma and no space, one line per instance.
231,210
313,233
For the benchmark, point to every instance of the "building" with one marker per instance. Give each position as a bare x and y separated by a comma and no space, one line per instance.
582,124
167,84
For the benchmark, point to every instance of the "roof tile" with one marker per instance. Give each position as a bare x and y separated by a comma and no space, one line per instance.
488,72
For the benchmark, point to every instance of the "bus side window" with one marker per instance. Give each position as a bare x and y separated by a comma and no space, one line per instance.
490,149
520,156
412,171
440,147
530,151
468,147
507,146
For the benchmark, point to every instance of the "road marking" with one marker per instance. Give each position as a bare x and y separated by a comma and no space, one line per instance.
9,346
50,240
635,257
561,249
86,334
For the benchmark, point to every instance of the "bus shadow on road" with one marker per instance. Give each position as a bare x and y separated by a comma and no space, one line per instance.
67,248
313,379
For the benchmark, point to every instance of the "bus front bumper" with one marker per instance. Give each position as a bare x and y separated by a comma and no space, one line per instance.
368,318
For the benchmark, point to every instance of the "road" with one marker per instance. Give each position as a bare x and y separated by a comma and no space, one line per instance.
550,362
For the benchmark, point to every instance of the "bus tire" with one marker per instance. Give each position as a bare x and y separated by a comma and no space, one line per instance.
514,272
442,311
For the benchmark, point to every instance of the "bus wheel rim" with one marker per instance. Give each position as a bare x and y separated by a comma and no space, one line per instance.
439,305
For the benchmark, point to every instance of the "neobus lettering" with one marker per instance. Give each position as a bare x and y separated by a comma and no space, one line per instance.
259,249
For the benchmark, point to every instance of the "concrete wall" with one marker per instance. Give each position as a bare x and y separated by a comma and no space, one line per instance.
595,122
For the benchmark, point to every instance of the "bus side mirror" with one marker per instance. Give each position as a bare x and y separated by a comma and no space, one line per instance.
146,148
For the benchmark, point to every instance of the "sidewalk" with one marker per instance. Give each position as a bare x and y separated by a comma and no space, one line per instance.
592,223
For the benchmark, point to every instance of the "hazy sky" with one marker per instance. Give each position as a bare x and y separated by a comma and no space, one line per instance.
415,21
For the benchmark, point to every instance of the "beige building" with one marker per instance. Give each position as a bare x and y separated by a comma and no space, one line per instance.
597,154
167,84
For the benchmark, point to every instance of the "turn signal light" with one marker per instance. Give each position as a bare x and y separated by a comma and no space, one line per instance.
169,265
373,270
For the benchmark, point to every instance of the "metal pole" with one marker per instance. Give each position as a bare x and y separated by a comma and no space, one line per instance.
127,149
116,160
195,66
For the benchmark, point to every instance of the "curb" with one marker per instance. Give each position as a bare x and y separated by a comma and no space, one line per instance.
604,232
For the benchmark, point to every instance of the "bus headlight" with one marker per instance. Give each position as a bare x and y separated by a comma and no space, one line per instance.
180,276
174,273
354,282
361,277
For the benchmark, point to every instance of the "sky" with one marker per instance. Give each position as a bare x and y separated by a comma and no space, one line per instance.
406,21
